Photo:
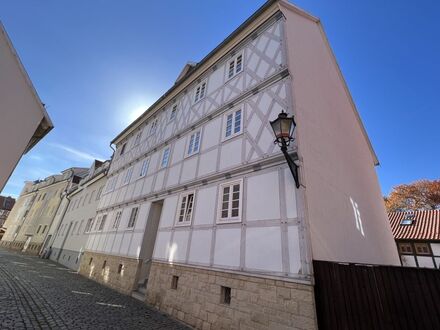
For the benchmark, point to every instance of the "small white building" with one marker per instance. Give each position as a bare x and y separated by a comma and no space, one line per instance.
203,215
417,236
75,220
23,118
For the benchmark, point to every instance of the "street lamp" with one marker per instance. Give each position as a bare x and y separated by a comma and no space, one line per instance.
283,128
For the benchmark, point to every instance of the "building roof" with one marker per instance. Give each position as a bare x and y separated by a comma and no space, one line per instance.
192,70
425,225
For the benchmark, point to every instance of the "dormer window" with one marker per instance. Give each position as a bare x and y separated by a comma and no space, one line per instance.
235,66
407,220
200,91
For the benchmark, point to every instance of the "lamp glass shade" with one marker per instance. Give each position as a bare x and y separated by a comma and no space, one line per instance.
283,127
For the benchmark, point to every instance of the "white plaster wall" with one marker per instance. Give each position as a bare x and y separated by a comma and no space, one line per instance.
425,262
205,206
162,245
435,247
408,261
346,213
264,204
227,247
200,250
21,110
169,210
263,248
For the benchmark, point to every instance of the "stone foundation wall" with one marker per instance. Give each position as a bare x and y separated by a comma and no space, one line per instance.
256,302
92,267
32,249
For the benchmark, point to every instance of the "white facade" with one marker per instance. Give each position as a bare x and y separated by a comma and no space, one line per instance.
199,175
77,213
220,135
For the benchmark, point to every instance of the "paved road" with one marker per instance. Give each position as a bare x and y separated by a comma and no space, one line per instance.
41,294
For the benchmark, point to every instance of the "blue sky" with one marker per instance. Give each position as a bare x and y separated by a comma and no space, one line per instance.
98,64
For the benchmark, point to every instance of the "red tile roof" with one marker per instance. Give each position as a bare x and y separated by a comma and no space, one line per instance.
426,225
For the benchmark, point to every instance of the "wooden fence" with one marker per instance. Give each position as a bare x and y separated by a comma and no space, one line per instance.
350,296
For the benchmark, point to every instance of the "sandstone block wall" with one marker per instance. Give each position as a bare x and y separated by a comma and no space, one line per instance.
256,302
92,266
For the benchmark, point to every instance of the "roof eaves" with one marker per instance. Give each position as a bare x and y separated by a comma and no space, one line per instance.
196,68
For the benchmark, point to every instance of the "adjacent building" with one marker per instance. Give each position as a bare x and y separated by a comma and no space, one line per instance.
76,218
28,224
200,216
417,236
24,120
6,204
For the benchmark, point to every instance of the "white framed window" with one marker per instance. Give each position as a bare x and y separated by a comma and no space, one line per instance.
153,127
200,91
89,226
102,224
98,195
235,66
173,112
233,124
144,167
117,220
133,217
165,157
137,139
127,176
230,200
185,210
111,184
98,223
194,143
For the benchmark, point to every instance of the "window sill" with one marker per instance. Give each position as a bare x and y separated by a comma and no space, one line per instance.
182,224
231,78
224,139
226,221
191,155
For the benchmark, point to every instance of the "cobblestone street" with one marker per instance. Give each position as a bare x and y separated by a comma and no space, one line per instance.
40,294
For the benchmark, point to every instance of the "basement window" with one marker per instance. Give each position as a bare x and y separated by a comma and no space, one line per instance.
226,295
174,282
